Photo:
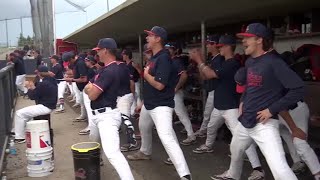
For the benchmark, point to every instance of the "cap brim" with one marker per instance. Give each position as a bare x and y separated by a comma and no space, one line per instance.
149,32
96,48
242,35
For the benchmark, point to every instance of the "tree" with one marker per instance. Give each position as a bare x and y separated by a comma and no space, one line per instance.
25,41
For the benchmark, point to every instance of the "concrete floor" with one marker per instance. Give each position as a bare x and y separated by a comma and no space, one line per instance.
66,134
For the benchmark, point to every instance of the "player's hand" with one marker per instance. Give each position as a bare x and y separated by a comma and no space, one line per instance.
263,116
51,74
138,109
146,70
298,133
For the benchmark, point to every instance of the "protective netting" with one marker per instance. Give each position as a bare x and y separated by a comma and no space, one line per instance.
16,17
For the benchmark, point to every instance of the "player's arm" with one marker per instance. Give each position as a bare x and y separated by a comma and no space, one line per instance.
132,87
296,132
205,70
182,80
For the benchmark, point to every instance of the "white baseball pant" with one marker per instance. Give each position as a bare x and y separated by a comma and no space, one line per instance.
71,89
137,99
20,79
26,114
87,105
76,92
298,147
161,117
230,118
267,137
106,127
124,104
61,89
182,112
207,111
83,112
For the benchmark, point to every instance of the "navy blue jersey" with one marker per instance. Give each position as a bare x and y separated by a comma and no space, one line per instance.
19,66
267,78
45,93
162,70
215,62
58,71
125,77
108,81
225,95
178,67
134,73
80,69
91,73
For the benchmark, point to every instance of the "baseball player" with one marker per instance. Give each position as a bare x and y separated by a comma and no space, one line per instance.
106,119
179,108
124,104
90,63
267,78
45,95
293,130
57,73
20,71
133,67
159,84
210,84
226,99
80,72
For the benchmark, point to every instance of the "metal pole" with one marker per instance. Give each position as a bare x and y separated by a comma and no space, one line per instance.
7,34
203,38
108,5
141,61
204,55
21,26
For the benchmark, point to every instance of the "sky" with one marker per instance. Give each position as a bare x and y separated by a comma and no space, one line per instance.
67,18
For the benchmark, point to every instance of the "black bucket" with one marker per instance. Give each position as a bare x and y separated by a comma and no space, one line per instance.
86,160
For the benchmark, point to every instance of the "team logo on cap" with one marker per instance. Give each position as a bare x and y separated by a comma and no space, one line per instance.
247,29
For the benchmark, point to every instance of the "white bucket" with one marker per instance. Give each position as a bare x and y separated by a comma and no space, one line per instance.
38,136
40,164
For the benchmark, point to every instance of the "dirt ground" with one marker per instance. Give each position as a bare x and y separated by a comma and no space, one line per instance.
65,135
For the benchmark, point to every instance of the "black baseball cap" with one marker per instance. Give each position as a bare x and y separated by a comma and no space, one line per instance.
107,43
213,38
91,59
255,30
241,76
55,57
43,68
227,40
158,31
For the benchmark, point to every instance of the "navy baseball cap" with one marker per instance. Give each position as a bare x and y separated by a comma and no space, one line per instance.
43,68
158,31
241,76
213,39
107,43
227,40
67,56
255,30
91,59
